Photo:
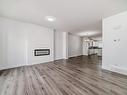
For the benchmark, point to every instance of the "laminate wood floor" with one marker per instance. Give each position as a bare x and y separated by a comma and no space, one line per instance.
75,76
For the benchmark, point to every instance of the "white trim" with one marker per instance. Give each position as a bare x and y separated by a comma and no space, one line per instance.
116,69
12,66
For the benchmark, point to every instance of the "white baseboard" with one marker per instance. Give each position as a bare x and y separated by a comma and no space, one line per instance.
12,66
120,70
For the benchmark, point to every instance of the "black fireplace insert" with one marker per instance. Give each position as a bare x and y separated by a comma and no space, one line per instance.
41,52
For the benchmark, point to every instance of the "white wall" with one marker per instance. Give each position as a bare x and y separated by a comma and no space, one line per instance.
18,40
13,44
74,45
115,43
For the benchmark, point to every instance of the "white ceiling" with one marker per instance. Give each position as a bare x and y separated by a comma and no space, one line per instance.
71,15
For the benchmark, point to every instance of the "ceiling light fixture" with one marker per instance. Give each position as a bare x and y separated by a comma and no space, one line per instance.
50,18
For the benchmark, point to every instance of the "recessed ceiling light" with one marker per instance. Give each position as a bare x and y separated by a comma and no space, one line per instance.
50,18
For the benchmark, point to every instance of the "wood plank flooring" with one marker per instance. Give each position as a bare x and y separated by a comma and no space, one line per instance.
75,76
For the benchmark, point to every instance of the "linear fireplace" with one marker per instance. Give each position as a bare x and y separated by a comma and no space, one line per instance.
41,52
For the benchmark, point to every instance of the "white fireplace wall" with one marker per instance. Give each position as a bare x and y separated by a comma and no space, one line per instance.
18,41
40,38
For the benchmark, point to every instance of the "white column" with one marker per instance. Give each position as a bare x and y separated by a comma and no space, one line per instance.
65,45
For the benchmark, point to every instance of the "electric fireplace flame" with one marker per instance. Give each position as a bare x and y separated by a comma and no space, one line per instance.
41,52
